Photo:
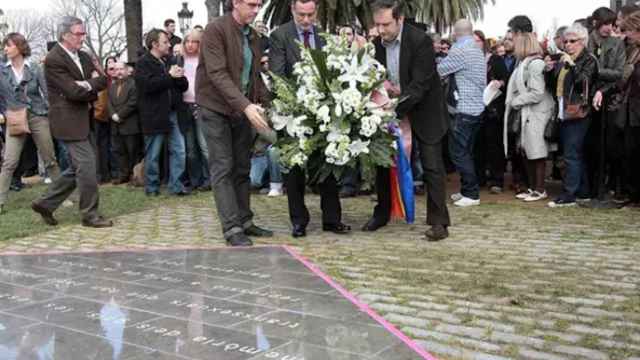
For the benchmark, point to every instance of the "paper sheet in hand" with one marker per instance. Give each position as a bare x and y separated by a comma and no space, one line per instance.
490,94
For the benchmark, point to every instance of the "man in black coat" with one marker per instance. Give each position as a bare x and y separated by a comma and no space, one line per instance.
283,55
160,86
125,124
407,54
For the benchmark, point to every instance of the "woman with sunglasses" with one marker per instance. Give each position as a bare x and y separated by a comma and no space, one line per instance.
571,80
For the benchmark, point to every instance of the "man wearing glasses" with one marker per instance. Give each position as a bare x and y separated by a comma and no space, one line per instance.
73,83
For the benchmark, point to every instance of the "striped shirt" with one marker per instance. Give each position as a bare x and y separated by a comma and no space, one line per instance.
467,62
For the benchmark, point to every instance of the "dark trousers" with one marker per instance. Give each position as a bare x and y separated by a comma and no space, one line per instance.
106,162
128,153
435,178
494,144
229,141
631,156
329,199
81,174
462,137
572,135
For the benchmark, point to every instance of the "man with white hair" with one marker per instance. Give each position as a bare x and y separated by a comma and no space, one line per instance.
467,64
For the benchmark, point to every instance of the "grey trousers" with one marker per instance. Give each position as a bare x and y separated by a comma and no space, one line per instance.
229,141
81,174
41,134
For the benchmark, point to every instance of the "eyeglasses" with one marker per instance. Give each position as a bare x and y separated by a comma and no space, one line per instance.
571,41
78,34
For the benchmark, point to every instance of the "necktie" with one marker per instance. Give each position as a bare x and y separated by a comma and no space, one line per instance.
119,89
305,35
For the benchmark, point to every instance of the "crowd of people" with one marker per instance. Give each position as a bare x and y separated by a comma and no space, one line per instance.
186,113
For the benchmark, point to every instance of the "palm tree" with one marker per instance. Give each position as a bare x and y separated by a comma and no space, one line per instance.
441,13
133,25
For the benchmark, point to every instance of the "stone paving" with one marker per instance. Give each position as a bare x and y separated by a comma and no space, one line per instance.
512,282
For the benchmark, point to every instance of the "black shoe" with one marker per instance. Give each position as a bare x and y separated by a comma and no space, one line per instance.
182,193
47,215
338,228
152,193
239,239
98,222
299,231
373,224
437,233
258,232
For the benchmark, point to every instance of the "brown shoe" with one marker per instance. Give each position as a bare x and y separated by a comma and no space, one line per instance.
98,222
46,214
437,233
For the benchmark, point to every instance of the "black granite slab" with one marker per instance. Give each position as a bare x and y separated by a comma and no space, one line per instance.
227,304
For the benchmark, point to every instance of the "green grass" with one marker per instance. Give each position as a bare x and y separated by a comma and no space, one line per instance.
20,221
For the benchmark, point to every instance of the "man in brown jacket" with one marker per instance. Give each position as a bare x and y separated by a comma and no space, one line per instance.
73,83
229,90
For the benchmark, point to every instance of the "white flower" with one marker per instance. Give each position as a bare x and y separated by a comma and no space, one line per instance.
359,147
298,159
354,72
324,114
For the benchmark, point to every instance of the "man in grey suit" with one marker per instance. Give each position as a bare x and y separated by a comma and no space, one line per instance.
284,53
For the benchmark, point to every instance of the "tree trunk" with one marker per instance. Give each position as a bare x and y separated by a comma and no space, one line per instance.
213,8
133,24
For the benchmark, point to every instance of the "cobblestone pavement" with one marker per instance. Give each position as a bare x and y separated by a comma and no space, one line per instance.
512,282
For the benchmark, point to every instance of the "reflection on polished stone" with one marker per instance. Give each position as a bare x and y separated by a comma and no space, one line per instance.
226,304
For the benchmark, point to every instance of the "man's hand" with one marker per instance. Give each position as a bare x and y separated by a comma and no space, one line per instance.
394,91
255,115
115,118
597,100
84,84
176,72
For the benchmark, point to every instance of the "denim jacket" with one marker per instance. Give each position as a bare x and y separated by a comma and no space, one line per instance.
34,83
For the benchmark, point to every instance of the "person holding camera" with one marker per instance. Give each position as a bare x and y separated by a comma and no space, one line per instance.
571,79
160,83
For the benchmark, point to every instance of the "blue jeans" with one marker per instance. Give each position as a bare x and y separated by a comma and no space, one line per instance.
177,154
197,158
267,164
572,135
462,138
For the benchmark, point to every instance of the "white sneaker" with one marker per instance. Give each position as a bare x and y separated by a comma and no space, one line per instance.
275,189
535,196
466,202
48,180
524,195
456,197
67,203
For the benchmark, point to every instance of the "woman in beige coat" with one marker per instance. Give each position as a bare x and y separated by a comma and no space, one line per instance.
530,104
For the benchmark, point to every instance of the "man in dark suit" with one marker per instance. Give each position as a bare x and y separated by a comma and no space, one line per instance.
125,124
284,53
407,54
73,83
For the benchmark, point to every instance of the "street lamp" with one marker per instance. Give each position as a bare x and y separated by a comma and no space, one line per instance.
184,17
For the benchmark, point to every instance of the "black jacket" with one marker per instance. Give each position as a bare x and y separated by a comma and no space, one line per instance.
158,94
634,97
419,80
583,74
497,70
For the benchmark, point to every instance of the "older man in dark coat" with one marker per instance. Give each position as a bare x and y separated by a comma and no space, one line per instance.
73,83
408,55
125,123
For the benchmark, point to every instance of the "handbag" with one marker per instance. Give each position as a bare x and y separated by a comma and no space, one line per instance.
17,122
577,110
514,122
552,130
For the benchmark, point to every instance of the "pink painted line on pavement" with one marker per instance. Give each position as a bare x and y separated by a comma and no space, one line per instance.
362,306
